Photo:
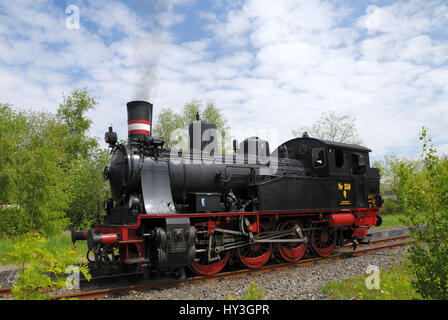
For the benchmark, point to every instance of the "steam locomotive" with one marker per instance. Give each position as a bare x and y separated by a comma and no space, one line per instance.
199,208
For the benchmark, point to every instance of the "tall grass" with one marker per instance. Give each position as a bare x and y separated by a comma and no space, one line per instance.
6,245
64,240
54,244
394,284
391,220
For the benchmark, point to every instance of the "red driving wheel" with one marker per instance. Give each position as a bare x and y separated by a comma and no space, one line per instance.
208,269
255,255
323,241
290,251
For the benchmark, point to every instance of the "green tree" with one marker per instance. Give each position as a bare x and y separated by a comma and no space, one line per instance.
33,179
398,176
72,113
190,110
13,218
426,201
40,180
168,120
50,170
12,137
332,127
87,189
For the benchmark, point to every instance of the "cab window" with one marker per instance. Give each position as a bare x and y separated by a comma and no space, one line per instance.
339,158
318,158
358,163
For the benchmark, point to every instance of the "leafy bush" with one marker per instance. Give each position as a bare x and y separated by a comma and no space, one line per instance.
14,220
253,292
398,176
426,200
391,206
40,271
87,189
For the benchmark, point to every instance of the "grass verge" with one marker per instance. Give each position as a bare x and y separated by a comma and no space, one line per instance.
390,284
392,220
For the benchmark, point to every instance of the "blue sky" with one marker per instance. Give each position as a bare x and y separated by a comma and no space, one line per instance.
271,66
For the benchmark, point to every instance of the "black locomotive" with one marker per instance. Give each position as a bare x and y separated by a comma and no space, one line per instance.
198,208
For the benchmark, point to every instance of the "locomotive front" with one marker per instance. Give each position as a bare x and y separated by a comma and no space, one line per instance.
138,171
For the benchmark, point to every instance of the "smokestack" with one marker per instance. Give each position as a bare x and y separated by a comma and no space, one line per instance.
139,118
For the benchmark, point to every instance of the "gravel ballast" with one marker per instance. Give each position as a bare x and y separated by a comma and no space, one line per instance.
298,283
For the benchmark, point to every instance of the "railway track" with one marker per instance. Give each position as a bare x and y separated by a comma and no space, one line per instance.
157,284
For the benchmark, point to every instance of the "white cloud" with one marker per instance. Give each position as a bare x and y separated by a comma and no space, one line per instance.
269,64
316,63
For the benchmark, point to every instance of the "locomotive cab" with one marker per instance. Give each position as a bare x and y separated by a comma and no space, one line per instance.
336,164
328,157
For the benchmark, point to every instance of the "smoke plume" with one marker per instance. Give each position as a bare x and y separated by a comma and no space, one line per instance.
150,47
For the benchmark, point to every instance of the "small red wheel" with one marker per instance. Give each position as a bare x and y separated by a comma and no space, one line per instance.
208,269
290,251
323,241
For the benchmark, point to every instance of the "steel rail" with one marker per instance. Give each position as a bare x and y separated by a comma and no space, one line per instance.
5,292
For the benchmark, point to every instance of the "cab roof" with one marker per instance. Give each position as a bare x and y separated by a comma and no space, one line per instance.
332,144
342,145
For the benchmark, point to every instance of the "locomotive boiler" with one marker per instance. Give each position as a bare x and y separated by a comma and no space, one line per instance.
196,207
